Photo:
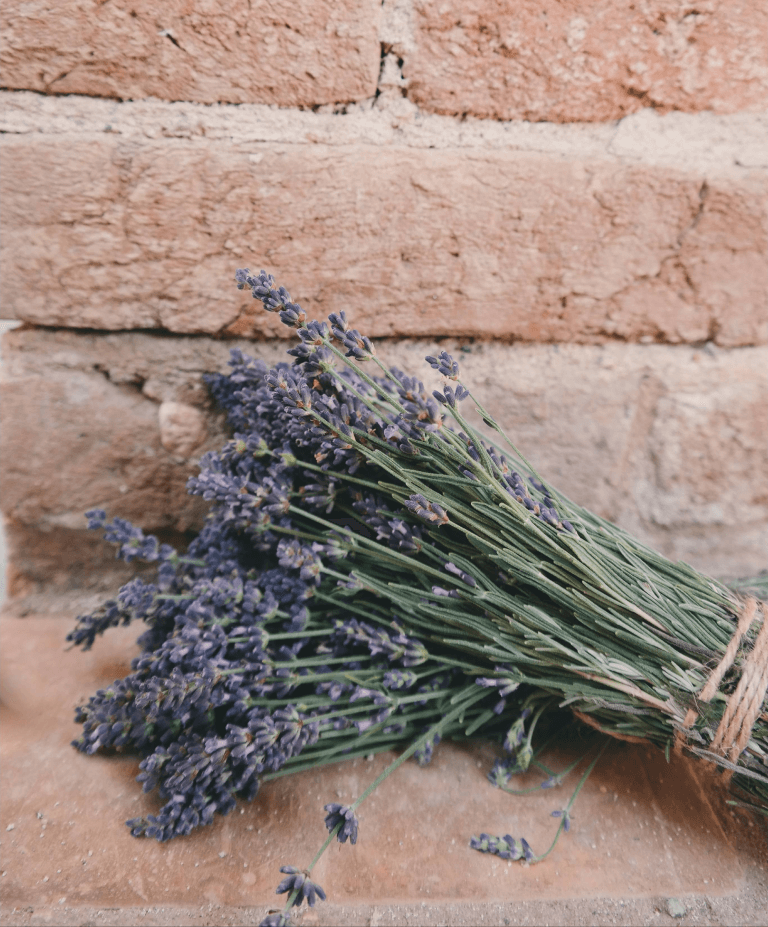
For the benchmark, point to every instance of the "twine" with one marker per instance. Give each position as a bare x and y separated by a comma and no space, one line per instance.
630,738
745,703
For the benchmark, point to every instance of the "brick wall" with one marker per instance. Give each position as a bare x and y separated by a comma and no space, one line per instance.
576,192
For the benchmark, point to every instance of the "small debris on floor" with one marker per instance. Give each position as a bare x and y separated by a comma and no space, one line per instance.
675,907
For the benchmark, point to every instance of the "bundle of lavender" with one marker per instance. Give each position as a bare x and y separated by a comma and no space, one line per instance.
506,569
376,572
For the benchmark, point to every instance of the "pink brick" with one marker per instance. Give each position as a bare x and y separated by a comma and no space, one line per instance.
112,233
588,61
285,52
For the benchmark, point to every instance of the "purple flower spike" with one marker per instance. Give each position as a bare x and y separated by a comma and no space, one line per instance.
344,815
505,847
428,511
274,298
444,364
358,346
552,783
566,816
276,919
298,881
450,397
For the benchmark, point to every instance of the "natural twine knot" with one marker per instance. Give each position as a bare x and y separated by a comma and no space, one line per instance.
746,700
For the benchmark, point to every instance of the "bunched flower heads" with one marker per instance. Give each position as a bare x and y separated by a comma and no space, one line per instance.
298,885
343,817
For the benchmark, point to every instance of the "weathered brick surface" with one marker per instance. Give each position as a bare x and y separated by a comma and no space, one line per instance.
641,826
589,61
118,233
285,52
52,568
670,442
83,426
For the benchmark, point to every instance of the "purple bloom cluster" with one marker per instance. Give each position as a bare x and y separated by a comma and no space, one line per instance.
345,816
504,684
247,659
505,847
276,919
444,364
298,881
397,647
423,754
518,752
430,512
565,815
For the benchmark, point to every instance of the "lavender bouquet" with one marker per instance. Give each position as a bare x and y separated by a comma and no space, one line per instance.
375,572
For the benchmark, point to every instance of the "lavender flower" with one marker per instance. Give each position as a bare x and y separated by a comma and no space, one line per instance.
505,684
505,847
275,299
502,770
516,734
450,397
565,814
423,754
399,679
358,346
464,577
298,880
276,919
428,511
344,815
444,364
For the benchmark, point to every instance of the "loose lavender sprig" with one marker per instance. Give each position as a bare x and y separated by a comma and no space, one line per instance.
512,848
341,820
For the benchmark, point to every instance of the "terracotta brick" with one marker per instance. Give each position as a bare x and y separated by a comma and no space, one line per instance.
59,563
117,233
669,442
588,61
284,52
79,432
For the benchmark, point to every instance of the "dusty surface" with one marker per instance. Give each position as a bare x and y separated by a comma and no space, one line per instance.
285,52
593,60
670,442
112,233
711,144
644,832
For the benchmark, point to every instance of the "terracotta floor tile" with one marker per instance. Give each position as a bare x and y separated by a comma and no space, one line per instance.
641,827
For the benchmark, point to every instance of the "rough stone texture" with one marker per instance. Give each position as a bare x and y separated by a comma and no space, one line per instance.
48,566
642,828
594,60
182,428
709,144
114,233
669,442
83,428
283,52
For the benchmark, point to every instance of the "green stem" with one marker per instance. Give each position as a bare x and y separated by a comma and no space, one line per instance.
474,696
537,859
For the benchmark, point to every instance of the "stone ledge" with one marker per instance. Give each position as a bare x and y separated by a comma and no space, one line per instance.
746,909
643,832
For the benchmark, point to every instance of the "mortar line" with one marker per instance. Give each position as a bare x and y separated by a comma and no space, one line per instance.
703,142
